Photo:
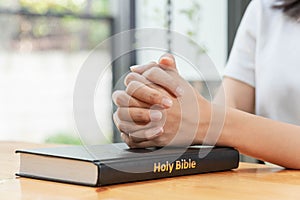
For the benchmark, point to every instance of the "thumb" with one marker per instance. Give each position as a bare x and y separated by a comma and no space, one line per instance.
167,62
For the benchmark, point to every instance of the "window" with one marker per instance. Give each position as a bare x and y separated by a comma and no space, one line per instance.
42,46
203,21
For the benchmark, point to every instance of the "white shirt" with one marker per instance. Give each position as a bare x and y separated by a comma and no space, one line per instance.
266,55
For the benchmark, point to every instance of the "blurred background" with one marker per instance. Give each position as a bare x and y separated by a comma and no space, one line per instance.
43,44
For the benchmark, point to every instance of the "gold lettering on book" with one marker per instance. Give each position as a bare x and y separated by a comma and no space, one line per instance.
162,167
179,165
183,164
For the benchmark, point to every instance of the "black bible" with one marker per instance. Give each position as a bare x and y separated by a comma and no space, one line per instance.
108,164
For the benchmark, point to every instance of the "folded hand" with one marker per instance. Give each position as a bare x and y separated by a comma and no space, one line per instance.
160,108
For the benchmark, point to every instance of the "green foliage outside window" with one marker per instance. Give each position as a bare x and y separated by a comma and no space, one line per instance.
70,33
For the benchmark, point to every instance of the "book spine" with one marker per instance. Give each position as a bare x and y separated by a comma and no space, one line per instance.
153,168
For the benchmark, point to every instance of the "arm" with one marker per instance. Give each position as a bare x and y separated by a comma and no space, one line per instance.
262,138
256,136
267,136
237,94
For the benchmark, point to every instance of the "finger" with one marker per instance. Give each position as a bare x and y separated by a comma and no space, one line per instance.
148,95
141,68
139,115
134,144
162,78
130,127
136,77
116,120
131,141
140,78
122,99
128,139
144,135
167,62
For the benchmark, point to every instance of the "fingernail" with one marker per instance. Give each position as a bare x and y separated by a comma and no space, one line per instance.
134,67
167,102
155,115
179,91
152,132
167,58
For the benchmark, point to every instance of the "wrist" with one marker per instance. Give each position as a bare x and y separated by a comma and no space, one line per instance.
204,121
216,125
234,120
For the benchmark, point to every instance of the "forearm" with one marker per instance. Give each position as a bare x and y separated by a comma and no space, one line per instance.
236,94
262,138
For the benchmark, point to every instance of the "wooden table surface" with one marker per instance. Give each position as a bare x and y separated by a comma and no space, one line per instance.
249,181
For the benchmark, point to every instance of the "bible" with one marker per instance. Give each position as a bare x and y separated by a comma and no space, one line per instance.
116,163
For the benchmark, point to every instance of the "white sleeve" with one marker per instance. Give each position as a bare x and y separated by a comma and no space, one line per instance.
241,62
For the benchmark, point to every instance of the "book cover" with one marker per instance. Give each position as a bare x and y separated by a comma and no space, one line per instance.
116,163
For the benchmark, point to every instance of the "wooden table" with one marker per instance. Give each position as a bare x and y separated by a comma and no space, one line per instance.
249,181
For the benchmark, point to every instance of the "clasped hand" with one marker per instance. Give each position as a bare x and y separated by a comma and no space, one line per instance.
159,108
